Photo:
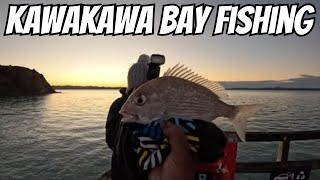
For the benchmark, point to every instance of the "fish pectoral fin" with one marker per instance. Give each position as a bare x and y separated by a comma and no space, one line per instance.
239,119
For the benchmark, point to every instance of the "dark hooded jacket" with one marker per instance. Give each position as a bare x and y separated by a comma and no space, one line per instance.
124,165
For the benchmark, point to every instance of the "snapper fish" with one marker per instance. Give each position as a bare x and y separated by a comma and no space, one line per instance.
184,94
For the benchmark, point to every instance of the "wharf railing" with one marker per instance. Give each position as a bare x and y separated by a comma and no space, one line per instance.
281,161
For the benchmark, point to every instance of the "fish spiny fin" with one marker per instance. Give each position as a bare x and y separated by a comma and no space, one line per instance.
177,71
181,71
165,73
185,73
171,70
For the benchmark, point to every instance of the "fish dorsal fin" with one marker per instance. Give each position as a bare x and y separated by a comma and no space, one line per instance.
182,72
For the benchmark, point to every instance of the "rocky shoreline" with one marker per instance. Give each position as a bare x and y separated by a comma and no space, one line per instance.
22,81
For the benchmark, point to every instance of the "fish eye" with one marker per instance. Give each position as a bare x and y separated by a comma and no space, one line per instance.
140,100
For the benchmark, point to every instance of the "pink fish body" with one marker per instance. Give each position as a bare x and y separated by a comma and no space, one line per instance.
181,93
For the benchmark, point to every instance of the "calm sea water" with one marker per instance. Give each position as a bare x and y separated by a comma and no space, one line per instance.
61,136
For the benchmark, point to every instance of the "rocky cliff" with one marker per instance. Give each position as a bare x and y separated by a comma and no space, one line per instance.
21,81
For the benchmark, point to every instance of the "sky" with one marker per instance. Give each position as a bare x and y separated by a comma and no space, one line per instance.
104,60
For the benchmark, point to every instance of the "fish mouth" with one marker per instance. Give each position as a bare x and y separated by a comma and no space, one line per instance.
128,118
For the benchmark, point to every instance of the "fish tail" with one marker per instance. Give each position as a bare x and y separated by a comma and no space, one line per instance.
240,116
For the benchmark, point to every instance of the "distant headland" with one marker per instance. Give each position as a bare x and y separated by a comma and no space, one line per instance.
302,83
235,88
21,81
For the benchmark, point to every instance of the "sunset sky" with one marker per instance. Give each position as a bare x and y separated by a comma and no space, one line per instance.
104,60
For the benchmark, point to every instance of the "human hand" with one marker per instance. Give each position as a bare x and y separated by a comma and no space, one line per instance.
180,163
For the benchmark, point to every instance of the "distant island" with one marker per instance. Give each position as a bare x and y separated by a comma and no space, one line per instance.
84,87
277,88
304,82
21,81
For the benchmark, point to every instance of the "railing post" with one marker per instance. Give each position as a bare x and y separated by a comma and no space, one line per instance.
283,150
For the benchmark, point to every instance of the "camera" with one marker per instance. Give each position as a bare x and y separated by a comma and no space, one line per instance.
155,61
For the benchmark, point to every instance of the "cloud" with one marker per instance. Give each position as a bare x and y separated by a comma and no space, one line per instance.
304,81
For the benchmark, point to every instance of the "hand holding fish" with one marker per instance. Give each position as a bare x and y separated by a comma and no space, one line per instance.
180,163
